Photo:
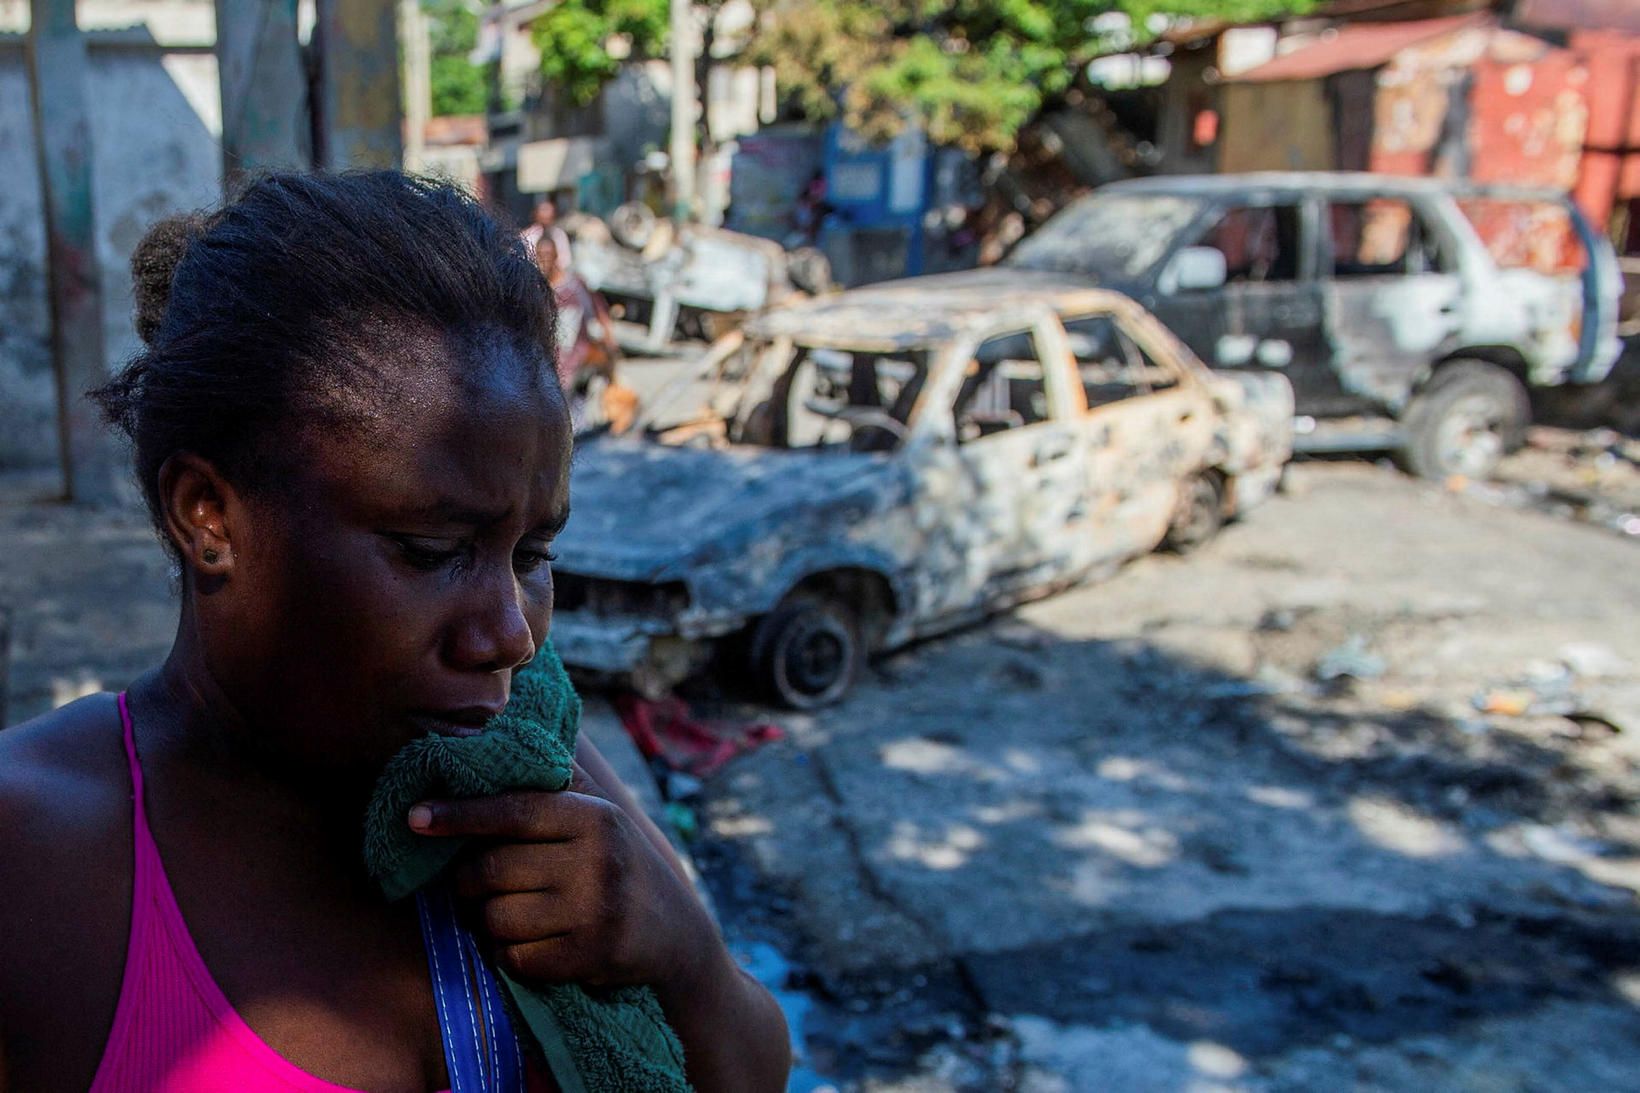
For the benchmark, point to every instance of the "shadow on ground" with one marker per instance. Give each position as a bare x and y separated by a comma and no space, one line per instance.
1109,833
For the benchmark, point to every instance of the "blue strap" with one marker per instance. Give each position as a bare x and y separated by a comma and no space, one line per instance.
481,1051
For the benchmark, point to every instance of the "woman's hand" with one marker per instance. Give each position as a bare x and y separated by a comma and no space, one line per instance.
569,889
581,886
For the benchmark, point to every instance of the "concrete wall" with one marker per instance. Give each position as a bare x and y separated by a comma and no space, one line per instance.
155,135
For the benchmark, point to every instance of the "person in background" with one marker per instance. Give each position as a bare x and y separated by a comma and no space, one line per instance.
544,225
587,351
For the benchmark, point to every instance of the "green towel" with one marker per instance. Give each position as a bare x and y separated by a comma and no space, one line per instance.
595,1040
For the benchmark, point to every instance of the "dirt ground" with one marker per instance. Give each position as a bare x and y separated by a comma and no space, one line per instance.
1347,799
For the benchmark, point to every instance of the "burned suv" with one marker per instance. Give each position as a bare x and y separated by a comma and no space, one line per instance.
1409,314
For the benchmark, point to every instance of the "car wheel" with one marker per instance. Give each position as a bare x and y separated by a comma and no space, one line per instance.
1199,516
807,652
1466,420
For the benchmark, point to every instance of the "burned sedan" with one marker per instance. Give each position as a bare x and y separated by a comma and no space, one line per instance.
851,473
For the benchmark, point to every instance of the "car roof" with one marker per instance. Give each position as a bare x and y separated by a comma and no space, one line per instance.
922,312
1324,181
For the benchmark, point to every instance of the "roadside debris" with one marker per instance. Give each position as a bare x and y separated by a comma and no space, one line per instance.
667,283
1351,660
666,730
1552,688
1592,476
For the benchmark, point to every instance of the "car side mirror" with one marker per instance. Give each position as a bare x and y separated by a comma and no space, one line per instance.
1197,269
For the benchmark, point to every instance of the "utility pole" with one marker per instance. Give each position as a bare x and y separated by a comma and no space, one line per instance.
418,82
683,111
358,119
265,119
62,141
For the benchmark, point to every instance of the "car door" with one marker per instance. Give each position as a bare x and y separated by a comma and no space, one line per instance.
1391,293
1002,501
1149,424
1267,314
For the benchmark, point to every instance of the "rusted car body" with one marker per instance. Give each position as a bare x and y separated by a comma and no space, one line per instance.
1409,313
854,472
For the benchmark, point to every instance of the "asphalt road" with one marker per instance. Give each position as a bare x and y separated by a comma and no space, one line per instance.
1129,838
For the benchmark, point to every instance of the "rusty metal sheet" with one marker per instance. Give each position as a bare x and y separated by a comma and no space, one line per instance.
1529,119
1356,46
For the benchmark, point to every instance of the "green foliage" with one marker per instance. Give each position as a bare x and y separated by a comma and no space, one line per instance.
574,38
970,72
458,84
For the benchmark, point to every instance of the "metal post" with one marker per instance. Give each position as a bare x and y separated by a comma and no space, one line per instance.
359,119
418,82
265,124
62,140
683,111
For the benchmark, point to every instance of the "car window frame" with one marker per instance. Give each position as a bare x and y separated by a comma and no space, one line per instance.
1309,242
1447,247
934,416
1153,339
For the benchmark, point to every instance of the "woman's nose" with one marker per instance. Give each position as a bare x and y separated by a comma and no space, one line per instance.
496,635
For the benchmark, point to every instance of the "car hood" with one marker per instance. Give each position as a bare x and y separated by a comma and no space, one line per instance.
643,511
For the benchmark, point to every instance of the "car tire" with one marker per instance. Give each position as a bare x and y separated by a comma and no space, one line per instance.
1199,516
807,652
1469,416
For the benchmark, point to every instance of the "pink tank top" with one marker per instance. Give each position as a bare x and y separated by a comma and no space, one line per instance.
174,1030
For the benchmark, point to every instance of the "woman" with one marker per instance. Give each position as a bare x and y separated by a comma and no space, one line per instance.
348,429
586,344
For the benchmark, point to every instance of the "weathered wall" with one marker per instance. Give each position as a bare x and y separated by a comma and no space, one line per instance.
27,405
155,126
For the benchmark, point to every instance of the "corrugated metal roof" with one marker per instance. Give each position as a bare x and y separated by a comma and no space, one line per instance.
1579,14
1357,46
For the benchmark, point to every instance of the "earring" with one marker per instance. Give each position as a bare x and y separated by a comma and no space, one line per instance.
210,556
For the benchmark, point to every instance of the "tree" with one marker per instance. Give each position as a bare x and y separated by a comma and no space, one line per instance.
578,41
970,72
458,83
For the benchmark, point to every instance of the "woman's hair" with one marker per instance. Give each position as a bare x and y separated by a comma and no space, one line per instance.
300,300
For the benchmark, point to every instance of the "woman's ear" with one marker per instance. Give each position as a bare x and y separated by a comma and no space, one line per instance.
196,500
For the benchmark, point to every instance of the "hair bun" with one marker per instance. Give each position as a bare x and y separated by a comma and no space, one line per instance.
154,266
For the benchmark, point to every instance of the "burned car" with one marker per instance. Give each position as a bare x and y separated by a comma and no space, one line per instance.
1410,314
669,284
850,473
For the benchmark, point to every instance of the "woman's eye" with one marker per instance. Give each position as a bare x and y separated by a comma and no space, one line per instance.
528,561
426,556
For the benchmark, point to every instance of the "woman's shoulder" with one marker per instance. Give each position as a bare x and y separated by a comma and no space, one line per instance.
64,794
50,765
65,880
